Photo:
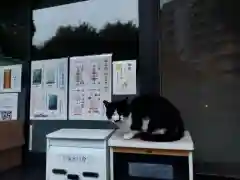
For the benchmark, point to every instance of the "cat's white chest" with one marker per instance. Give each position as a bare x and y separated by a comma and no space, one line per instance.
125,125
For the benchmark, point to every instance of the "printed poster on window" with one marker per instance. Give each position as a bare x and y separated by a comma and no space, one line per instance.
124,77
49,89
10,78
8,106
89,86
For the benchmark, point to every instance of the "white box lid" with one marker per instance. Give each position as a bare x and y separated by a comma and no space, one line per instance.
89,134
116,140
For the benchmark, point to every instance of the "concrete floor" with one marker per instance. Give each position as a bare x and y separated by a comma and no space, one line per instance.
36,173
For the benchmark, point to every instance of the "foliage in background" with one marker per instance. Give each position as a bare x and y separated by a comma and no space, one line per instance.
121,39
118,38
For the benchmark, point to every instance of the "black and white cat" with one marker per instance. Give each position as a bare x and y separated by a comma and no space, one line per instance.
149,117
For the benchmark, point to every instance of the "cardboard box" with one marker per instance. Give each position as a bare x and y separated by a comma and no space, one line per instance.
11,142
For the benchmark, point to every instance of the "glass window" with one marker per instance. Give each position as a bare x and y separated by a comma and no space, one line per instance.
86,28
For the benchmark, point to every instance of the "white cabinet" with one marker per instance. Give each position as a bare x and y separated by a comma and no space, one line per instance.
78,154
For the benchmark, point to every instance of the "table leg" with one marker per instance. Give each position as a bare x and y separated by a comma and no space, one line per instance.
190,163
111,164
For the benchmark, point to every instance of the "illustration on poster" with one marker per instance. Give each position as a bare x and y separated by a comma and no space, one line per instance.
10,78
95,73
79,99
50,77
62,77
7,79
37,76
94,101
53,102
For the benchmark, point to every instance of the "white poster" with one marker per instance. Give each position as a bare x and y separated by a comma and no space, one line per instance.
10,78
8,106
89,86
49,80
124,77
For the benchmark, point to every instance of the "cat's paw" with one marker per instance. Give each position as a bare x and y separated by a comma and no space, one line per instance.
130,135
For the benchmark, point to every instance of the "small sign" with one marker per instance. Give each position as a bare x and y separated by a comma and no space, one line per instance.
124,77
74,158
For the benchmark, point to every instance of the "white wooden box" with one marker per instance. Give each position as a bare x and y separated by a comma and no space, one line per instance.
141,160
78,154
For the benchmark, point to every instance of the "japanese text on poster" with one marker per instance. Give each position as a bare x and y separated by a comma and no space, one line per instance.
90,84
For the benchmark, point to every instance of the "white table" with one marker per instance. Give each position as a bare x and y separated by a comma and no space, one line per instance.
77,154
183,148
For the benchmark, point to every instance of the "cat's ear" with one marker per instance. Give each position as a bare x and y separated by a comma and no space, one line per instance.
106,103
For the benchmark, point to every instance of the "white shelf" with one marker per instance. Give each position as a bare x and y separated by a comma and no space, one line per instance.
116,140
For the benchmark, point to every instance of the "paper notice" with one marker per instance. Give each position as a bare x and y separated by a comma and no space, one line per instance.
49,89
8,106
124,77
90,84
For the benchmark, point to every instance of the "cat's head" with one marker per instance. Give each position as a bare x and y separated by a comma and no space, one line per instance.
117,111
